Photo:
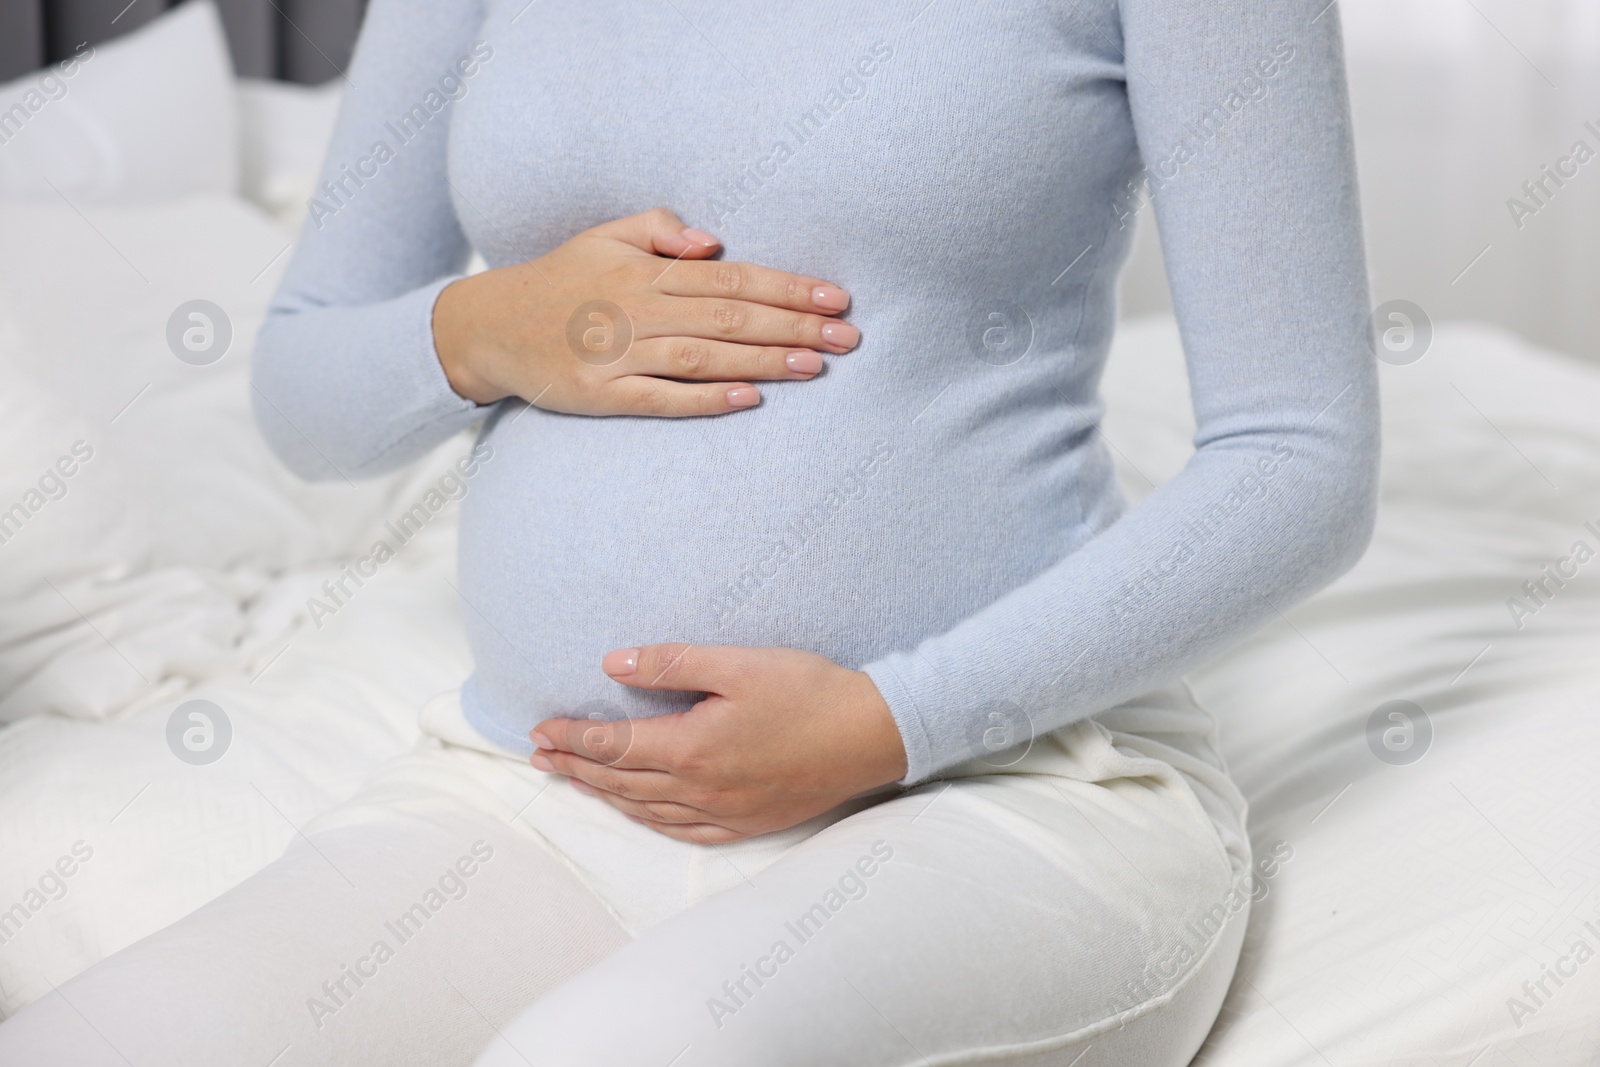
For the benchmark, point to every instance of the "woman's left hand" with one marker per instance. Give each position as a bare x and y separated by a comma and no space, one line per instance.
782,735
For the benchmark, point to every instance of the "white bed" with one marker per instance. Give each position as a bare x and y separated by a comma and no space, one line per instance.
1419,897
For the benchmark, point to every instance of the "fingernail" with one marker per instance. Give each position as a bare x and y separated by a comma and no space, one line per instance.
540,762
830,297
540,740
623,661
805,362
699,237
581,786
841,334
745,396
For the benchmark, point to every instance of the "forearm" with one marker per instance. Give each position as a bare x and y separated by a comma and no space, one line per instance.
1200,564
353,391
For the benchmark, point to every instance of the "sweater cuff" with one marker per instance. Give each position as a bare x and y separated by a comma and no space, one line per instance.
907,716
421,376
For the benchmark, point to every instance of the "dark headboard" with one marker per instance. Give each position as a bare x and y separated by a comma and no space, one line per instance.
306,41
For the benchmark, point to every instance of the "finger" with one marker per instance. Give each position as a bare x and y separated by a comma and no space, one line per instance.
653,810
701,834
631,744
747,323
760,285
720,361
659,231
675,665
635,784
638,394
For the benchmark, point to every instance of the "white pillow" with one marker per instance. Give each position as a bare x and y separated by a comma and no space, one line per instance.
146,117
283,136
144,566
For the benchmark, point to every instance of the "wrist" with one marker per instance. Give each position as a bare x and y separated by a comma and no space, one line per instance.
455,346
886,761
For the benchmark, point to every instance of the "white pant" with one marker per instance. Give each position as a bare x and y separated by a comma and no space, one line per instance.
1090,893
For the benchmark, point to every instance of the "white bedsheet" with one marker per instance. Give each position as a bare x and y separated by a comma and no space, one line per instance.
175,566
1418,898
156,567
1421,897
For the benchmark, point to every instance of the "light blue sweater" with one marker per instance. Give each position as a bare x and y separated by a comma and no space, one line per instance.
938,508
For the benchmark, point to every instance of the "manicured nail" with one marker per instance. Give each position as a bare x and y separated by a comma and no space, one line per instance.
830,297
744,396
622,662
540,762
841,334
804,362
699,237
540,740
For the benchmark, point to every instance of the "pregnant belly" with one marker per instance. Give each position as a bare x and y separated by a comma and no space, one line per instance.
584,535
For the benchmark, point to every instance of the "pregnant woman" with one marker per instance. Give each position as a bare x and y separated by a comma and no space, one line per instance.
827,704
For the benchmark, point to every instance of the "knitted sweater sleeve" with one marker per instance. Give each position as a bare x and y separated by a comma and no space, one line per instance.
1241,115
346,381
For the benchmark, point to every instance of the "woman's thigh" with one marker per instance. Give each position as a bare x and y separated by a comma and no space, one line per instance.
402,928
1081,899
1078,897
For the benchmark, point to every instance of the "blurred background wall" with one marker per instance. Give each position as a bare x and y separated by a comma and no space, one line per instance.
305,41
1456,104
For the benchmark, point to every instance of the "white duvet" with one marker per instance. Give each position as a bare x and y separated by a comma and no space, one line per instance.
1421,897
1418,899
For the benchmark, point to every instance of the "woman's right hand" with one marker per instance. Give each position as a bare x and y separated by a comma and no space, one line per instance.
523,331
